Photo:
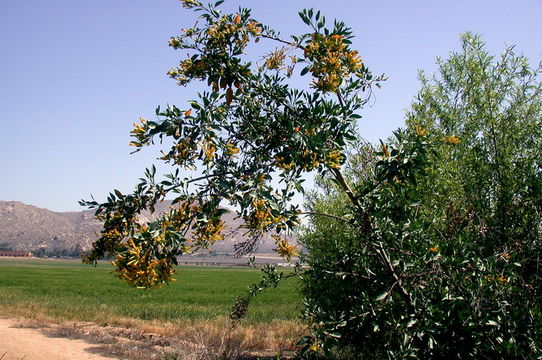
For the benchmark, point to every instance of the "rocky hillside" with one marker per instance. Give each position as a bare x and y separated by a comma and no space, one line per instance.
27,227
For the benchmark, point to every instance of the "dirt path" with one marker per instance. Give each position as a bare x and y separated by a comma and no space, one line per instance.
17,343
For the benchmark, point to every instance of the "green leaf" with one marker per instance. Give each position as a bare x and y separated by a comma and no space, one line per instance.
304,17
382,296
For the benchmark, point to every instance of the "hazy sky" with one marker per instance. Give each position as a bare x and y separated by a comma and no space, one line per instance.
75,75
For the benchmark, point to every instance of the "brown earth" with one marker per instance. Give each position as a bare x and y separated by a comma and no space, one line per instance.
17,343
36,340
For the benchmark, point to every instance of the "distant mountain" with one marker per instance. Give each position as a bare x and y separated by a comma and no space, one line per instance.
29,228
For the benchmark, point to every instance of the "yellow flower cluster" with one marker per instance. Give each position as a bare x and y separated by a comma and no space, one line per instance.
112,234
139,268
331,61
209,233
185,150
189,4
453,140
254,28
139,132
284,248
209,149
385,150
231,149
309,160
499,279
334,159
140,129
275,60
188,69
228,31
314,347
420,131
282,163
261,216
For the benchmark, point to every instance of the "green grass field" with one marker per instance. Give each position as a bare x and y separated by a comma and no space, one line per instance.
69,290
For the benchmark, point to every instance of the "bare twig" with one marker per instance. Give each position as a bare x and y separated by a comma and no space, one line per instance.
280,40
402,291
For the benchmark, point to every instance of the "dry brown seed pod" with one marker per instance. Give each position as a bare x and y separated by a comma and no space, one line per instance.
229,95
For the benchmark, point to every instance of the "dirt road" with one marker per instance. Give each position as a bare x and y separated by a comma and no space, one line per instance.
18,343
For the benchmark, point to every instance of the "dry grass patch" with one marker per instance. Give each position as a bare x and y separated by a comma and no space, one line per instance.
193,340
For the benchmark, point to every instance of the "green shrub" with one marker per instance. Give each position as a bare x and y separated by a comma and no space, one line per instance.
438,254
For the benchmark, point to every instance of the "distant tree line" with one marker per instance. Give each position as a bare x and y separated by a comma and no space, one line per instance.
72,252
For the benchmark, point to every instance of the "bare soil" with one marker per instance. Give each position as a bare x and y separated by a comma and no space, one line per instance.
31,340
36,340
17,343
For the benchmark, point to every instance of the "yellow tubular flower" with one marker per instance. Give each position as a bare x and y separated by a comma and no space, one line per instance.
282,164
260,177
314,347
112,234
453,140
209,150
139,132
138,267
231,149
189,4
254,28
334,159
284,248
420,131
332,61
275,60
210,233
385,151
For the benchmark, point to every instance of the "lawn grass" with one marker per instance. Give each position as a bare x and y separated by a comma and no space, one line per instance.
69,290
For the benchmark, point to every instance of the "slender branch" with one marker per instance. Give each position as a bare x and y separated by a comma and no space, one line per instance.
280,40
341,100
197,179
344,185
402,291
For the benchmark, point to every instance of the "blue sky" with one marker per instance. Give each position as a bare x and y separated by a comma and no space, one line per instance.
76,74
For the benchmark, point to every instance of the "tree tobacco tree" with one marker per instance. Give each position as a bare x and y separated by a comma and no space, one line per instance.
455,202
250,130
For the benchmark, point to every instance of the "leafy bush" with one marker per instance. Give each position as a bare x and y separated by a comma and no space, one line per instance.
440,257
